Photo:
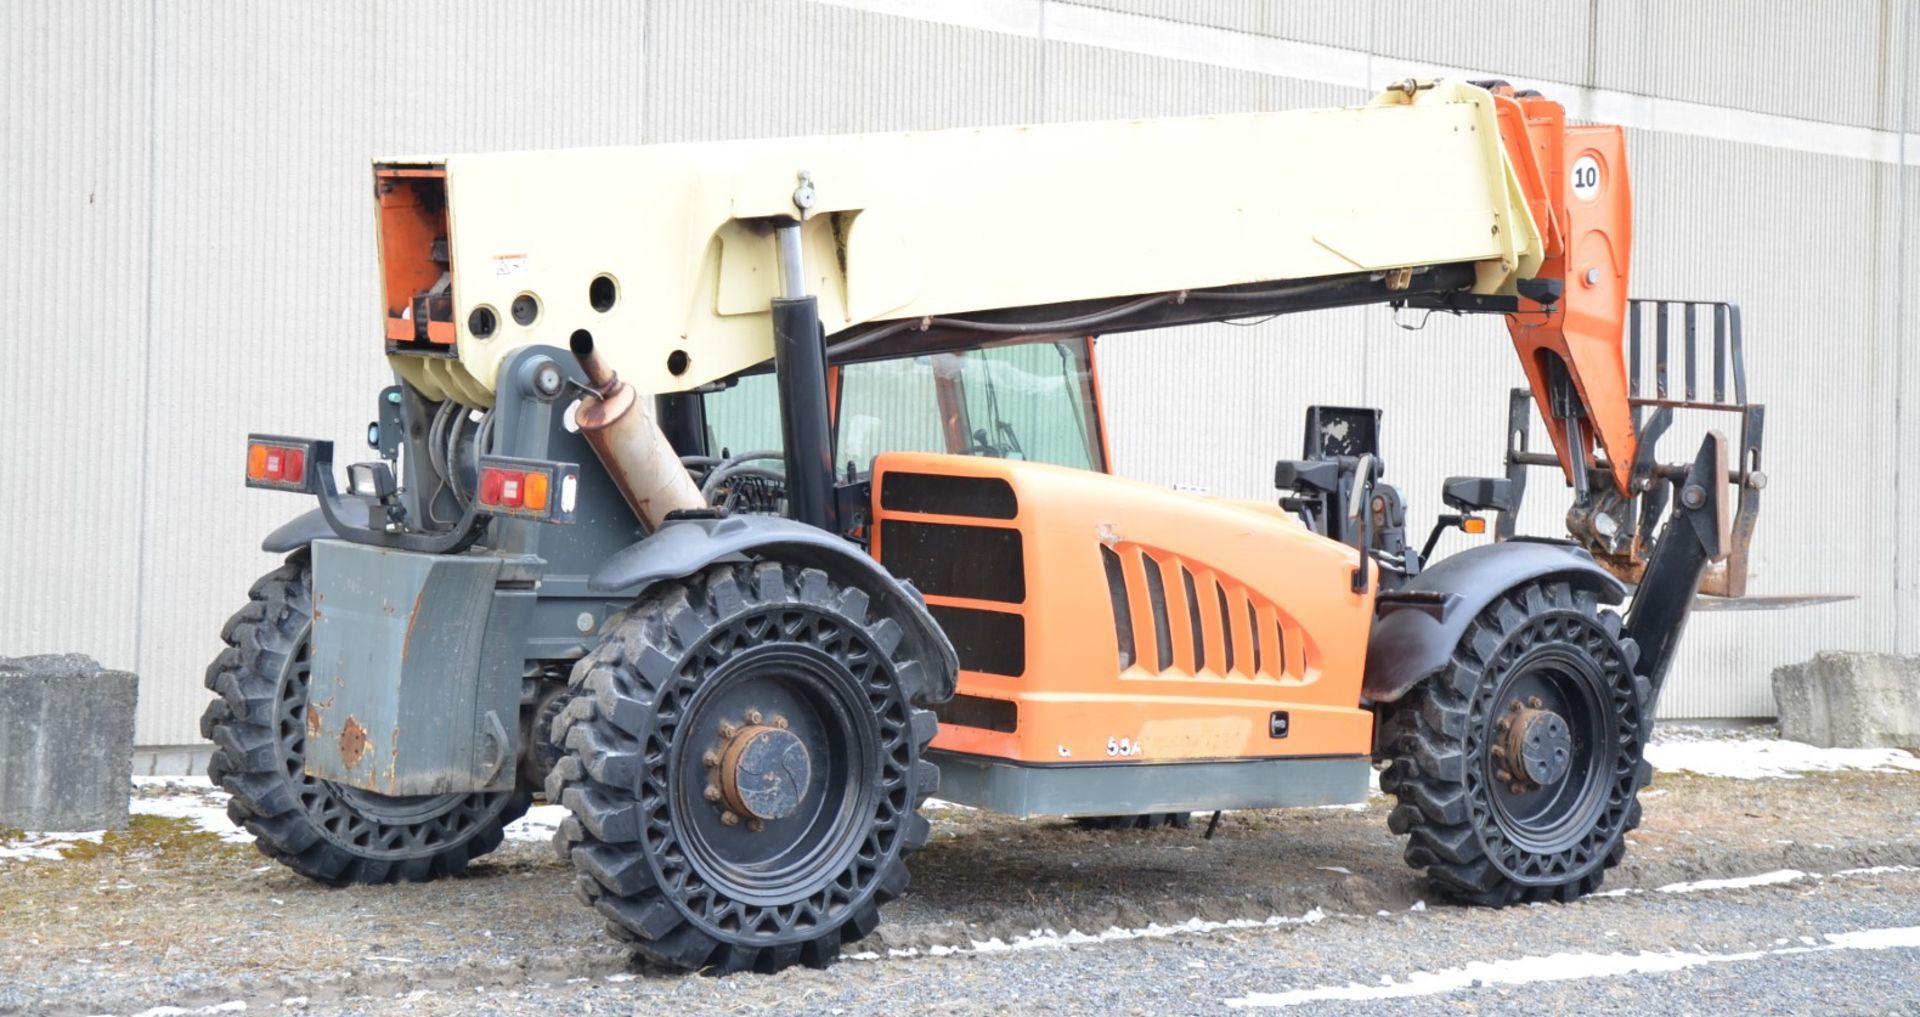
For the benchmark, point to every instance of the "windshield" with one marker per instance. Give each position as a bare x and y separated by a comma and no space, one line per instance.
1028,401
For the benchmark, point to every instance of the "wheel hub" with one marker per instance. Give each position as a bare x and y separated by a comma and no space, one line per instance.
761,772
1535,748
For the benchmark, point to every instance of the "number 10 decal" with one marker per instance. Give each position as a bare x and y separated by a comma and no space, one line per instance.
1586,178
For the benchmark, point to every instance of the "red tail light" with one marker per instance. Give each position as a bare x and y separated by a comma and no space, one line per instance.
278,463
524,488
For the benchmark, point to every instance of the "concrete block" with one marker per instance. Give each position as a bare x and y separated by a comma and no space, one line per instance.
66,743
1850,700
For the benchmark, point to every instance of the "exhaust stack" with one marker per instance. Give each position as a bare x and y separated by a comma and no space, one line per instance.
619,424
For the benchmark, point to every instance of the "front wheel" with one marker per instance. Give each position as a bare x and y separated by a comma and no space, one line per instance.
743,768
1518,768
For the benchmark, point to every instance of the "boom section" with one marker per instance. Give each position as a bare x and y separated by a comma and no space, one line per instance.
665,253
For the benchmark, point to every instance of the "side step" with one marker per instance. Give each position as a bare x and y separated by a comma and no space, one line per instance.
1104,789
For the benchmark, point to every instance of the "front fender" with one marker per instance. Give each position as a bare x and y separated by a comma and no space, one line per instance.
684,547
1420,623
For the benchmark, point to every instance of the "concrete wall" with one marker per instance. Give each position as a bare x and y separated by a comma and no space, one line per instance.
189,251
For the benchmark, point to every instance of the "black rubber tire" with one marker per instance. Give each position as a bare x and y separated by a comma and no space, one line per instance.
1438,742
636,836
318,829
1144,821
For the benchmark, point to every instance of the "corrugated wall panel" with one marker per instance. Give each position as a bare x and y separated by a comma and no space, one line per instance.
262,316
265,288
1906,551
805,69
256,123
73,278
1495,38
1323,22
1905,615
1816,61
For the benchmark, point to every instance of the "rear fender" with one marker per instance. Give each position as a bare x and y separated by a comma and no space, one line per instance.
302,530
1418,625
683,547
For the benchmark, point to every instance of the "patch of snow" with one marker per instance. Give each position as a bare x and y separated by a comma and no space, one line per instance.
1737,882
202,805
1776,877
44,846
1876,870
538,825
1562,967
230,1006
201,783
1049,939
1756,758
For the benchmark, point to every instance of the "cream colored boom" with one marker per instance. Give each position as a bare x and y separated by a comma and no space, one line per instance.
950,222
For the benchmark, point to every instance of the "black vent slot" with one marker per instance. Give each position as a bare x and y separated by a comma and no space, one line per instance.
1193,618
1157,597
1122,610
1253,629
991,641
980,712
1280,639
944,560
985,497
1226,624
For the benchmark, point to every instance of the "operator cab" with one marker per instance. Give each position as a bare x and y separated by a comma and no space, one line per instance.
1031,401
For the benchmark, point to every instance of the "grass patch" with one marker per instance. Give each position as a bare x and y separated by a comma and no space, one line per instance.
147,835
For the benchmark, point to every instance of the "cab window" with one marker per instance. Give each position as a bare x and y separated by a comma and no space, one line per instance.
1030,401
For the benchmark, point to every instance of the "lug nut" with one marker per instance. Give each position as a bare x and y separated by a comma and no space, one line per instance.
729,819
780,722
753,716
710,758
727,728
1503,776
755,825
1534,701
712,793
1498,752
1517,788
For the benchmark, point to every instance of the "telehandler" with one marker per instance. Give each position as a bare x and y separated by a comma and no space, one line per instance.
738,496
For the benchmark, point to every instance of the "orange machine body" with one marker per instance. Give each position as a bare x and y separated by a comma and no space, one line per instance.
1575,179
1103,620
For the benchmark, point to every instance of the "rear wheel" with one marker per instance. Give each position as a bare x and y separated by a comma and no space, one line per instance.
325,831
1518,767
743,767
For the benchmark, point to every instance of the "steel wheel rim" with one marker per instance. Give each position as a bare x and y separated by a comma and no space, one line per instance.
1550,819
769,865
845,874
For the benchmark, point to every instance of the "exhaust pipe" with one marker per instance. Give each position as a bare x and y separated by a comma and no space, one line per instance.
619,424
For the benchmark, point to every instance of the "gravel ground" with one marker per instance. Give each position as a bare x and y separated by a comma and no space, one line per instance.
1304,901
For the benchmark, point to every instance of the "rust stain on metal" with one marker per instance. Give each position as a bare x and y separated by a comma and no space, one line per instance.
406,644
393,761
317,715
353,743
